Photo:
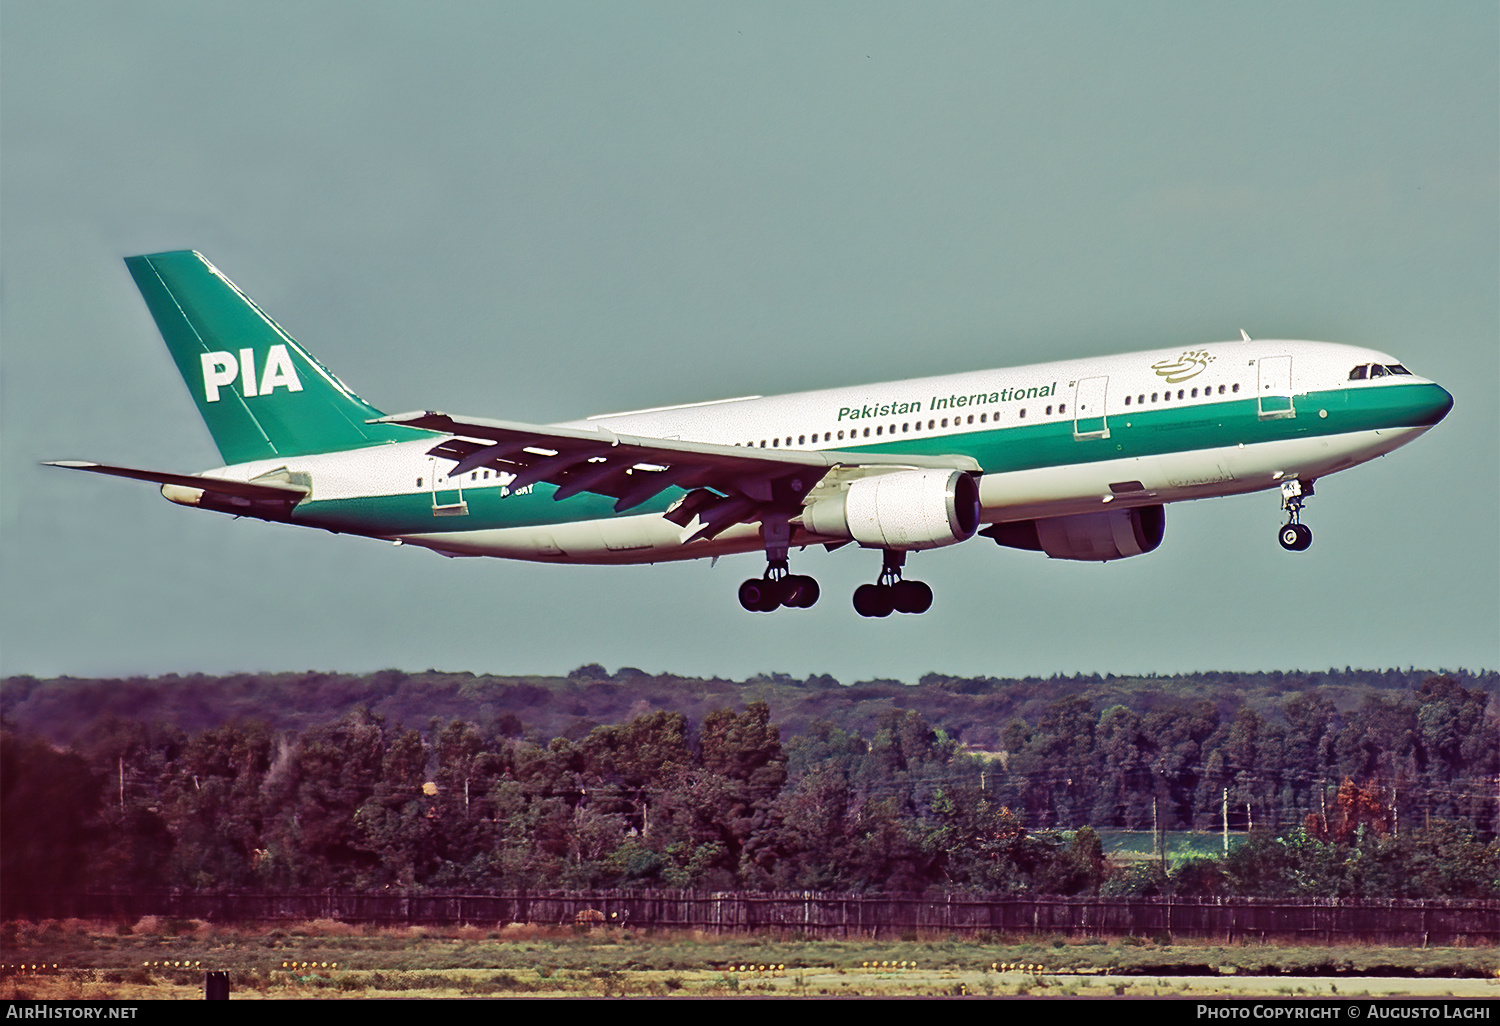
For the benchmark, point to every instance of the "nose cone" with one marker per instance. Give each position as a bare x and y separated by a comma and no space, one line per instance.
1432,405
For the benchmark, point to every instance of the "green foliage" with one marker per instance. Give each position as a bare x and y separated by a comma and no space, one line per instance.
1332,785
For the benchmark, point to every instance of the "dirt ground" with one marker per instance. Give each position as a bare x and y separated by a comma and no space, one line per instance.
99,984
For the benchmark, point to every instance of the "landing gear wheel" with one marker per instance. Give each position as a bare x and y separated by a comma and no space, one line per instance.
872,600
911,597
801,591
890,594
1296,537
760,595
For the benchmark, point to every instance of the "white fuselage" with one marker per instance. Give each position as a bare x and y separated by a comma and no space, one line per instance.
1054,439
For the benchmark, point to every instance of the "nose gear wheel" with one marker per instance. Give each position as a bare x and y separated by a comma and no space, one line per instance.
1295,536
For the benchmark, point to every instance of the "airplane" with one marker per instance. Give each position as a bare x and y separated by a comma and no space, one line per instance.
1076,459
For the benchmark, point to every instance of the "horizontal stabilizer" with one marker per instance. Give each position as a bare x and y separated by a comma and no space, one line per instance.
264,492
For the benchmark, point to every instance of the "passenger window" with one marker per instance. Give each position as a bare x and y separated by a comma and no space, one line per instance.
1063,408
867,432
1022,414
1179,393
1236,387
878,429
801,439
1127,403
1049,409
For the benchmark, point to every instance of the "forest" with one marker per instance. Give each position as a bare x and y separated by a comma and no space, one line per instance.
1354,784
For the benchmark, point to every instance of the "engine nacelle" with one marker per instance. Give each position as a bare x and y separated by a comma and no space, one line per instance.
905,509
1099,537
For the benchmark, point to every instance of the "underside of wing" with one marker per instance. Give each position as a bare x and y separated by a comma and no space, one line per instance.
725,484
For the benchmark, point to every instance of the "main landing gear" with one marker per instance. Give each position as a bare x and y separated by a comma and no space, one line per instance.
1295,536
778,586
891,594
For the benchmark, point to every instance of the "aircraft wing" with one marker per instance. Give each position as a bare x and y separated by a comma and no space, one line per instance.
726,484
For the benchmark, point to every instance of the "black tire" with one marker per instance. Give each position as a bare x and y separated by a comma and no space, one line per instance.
760,595
1295,537
802,591
872,600
911,597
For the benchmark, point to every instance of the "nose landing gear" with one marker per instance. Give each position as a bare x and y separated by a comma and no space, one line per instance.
891,594
1295,536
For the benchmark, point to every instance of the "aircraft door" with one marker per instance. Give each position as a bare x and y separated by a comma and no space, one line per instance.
447,495
1275,387
1088,408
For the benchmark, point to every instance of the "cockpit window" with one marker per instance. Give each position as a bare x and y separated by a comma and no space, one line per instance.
1376,370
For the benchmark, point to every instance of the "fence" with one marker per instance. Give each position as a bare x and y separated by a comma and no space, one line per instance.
826,915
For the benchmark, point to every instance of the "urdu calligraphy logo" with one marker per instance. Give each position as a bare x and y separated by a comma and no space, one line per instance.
1189,365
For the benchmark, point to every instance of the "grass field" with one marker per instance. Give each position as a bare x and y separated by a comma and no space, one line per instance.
1139,845
164,959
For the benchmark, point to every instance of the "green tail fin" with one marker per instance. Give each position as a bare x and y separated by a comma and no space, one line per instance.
261,394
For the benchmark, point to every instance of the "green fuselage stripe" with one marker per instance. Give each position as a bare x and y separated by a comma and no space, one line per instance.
1142,431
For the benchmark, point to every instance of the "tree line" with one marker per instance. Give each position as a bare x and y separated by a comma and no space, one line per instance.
1394,799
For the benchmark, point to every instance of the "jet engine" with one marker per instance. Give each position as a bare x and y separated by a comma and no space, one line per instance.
1112,534
905,510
